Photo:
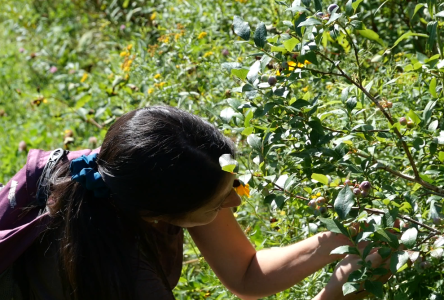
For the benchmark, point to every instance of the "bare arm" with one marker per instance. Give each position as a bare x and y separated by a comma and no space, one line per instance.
252,273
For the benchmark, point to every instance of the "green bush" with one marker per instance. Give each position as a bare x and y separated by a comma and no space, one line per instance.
311,100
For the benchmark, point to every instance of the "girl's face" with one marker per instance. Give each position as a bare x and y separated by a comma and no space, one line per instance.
224,197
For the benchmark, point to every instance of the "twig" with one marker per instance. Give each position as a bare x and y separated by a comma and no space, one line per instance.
92,121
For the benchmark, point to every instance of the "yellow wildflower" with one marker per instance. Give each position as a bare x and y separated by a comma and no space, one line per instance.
239,59
177,36
126,66
150,90
278,73
45,101
153,16
317,194
242,1
160,85
201,35
84,77
129,47
300,65
124,53
243,190
157,76
306,62
208,54
283,213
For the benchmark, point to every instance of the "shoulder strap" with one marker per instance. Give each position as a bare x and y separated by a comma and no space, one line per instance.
43,183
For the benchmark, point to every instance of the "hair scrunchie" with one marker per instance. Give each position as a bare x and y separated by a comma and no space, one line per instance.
84,170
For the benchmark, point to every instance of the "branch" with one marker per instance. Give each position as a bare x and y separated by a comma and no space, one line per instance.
404,217
423,183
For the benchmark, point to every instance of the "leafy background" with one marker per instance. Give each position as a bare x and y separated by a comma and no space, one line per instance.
69,68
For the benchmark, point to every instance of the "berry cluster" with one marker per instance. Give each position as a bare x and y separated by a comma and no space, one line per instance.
360,190
318,205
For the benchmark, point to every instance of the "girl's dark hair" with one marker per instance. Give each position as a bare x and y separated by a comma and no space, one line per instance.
156,161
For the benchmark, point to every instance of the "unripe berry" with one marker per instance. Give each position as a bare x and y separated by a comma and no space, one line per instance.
410,124
264,78
437,221
348,182
365,193
294,56
365,185
332,7
403,121
225,52
272,80
312,204
352,231
22,146
389,104
425,265
357,192
320,201
228,93
323,210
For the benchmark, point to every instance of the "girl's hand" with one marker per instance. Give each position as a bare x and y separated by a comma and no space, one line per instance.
333,289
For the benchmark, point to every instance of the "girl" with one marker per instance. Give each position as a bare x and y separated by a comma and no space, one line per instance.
112,226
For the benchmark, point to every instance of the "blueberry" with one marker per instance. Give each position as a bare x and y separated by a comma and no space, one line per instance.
365,185
272,80
403,121
332,7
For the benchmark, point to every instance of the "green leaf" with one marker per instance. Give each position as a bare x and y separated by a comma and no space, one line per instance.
350,287
334,226
226,114
397,260
255,142
428,111
241,28
260,35
349,11
320,178
345,250
384,252
356,3
240,73
406,36
417,8
432,87
371,35
344,202
297,8
310,22
82,101
290,44
409,237
414,117
374,287
227,163
318,5
351,103
387,237
334,16
432,28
